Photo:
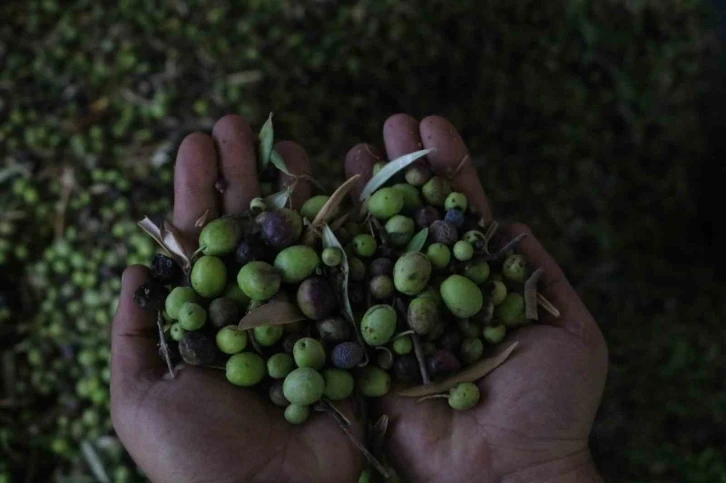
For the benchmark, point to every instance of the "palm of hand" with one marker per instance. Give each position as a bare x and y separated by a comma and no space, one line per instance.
536,407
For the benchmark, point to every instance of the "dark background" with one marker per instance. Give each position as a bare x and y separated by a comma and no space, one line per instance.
600,124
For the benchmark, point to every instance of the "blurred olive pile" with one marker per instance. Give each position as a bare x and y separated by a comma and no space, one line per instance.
585,110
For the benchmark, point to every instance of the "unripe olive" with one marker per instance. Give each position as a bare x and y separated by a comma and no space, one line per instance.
436,190
385,203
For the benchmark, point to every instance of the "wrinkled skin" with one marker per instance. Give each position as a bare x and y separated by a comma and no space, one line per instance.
531,425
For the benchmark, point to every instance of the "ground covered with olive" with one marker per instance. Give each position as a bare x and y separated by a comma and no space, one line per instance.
585,113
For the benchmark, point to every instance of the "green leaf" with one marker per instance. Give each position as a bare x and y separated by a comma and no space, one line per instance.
418,241
329,240
278,200
389,170
279,163
266,138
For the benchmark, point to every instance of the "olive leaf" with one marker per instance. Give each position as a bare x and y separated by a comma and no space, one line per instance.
330,241
277,160
94,462
418,241
273,313
389,170
202,220
329,210
470,374
547,305
279,200
418,351
169,239
265,138
530,294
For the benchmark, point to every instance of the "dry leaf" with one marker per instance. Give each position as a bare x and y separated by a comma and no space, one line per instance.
547,305
470,374
169,239
202,220
329,209
530,294
273,313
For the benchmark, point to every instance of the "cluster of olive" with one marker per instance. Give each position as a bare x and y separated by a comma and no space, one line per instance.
428,303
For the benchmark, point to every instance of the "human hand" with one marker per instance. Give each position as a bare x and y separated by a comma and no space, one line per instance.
198,427
537,408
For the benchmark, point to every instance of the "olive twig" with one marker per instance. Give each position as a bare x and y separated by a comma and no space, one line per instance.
461,164
502,251
340,413
432,396
418,350
162,343
547,305
530,294
323,406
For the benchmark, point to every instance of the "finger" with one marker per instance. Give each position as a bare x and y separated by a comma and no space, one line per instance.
195,173
401,135
554,286
133,334
360,160
298,164
438,133
237,163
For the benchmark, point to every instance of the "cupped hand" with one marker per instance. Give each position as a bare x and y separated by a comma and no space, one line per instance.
537,409
198,427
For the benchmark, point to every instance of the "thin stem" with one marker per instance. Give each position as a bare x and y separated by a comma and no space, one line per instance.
432,396
502,251
369,456
340,413
530,294
547,305
418,350
162,343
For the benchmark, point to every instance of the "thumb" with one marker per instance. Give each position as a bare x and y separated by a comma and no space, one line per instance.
134,337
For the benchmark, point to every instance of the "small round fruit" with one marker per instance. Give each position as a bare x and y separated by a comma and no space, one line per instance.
422,315
332,256
477,272
463,396
373,381
463,251
411,273
296,263
277,396
296,414
402,345
231,340
499,292
474,237
381,287
418,174
338,384
221,236
378,324
312,206
334,329
436,190
406,368
245,369
494,334
439,255
514,268
267,335
316,298
364,245
381,266
400,230
442,232
377,167
385,203
209,276
224,311
163,269
192,316
178,297
197,349
454,217
280,365
303,386
347,355
309,352
176,331
442,363
461,296
357,269
451,340
411,197
471,350
469,328
281,228
456,201
259,280
425,216
232,291
511,310
384,359
258,205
